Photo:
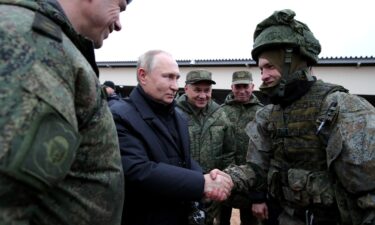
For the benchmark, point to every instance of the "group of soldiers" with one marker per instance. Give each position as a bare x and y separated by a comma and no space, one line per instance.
310,151
217,132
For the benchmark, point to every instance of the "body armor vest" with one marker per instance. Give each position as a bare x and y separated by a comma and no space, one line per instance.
298,175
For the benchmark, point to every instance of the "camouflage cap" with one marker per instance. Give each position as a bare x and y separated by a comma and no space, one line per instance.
242,77
195,76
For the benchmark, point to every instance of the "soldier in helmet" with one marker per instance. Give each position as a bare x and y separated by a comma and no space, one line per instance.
312,148
59,155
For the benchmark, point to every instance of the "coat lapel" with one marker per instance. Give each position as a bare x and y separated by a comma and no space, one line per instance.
151,119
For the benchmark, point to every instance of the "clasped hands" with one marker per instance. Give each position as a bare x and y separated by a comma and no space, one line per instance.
217,185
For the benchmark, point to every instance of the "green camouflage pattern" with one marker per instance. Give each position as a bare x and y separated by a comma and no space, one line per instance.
281,29
350,140
59,155
240,114
242,77
211,135
211,141
195,76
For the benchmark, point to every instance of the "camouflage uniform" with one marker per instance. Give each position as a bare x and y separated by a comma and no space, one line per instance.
240,114
59,154
211,136
308,175
211,140
314,154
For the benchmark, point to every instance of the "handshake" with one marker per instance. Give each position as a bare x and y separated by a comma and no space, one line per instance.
217,185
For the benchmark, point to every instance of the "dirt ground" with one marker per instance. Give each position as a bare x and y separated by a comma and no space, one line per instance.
235,219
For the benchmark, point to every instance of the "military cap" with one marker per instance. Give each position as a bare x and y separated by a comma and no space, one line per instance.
110,84
195,76
242,77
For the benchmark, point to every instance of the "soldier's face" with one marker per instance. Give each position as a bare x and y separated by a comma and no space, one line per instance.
161,82
270,75
199,94
102,17
242,92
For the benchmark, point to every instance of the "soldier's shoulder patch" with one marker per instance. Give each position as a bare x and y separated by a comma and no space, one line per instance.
47,27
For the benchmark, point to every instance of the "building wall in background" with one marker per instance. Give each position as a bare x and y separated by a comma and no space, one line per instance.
358,79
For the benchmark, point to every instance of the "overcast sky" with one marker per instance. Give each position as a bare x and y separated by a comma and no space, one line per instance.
223,29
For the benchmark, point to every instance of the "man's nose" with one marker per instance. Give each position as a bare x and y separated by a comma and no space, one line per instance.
117,25
174,85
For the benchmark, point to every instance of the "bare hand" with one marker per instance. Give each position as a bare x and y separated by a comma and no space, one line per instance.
218,185
215,172
260,211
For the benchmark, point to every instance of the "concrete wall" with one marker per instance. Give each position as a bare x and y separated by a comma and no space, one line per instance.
358,80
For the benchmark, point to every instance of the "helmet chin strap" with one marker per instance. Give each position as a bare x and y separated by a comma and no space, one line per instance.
285,73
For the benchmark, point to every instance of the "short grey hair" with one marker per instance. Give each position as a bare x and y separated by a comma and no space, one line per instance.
146,60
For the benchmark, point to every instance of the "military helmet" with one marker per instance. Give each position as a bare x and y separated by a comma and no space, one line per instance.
282,30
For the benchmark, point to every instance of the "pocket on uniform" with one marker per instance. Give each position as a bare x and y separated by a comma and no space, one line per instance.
319,188
297,179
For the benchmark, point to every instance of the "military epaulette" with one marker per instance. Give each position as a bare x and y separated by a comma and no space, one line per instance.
47,27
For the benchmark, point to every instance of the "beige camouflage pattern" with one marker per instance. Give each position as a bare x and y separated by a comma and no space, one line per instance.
59,154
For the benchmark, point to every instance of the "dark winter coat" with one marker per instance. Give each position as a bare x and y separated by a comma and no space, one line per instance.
161,180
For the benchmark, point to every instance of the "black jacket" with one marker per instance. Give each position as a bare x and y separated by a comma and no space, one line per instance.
161,179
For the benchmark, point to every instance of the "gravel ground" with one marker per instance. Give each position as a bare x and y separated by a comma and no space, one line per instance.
235,219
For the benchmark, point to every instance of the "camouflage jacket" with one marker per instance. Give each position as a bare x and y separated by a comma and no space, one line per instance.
240,114
211,135
349,141
59,155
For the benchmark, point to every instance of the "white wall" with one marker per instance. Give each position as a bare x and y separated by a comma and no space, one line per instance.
358,80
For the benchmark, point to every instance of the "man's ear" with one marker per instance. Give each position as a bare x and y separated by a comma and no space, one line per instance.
141,75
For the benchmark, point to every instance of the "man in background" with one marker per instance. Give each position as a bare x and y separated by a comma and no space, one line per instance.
211,135
240,107
59,156
110,89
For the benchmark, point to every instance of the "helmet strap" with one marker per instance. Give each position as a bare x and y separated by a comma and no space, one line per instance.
285,72
308,75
